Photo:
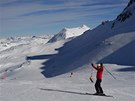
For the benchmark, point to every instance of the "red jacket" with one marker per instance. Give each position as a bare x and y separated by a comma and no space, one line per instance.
99,72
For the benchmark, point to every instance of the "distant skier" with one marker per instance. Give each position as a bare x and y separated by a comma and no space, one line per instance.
71,74
100,69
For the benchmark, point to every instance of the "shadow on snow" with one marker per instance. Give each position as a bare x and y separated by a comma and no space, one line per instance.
40,57
128,69
69,54
71,92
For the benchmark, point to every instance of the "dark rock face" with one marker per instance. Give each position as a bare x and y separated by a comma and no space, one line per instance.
122,17
130,2
127,13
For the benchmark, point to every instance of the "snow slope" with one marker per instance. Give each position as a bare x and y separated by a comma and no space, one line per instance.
13,51
65,88
34,70
69,33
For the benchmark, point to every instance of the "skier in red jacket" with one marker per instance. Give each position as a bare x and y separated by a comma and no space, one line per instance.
100,69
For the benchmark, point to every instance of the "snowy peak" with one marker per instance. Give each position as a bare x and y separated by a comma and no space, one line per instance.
66,33
85,27
72,32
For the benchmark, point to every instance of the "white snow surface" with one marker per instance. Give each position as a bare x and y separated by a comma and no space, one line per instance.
69,33
33,70
22,79
16,41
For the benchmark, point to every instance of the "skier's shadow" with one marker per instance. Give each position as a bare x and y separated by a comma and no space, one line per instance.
71,92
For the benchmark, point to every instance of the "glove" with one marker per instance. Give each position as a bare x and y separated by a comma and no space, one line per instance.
92,64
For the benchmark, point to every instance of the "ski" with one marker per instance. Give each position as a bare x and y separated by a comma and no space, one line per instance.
99,95
72,92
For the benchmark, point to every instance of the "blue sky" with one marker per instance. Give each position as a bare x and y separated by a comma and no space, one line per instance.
39,17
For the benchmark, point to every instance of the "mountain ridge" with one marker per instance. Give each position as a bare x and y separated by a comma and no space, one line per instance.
66,33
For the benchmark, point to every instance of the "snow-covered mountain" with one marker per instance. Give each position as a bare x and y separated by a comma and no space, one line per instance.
16,41
103,44
69,33
31,69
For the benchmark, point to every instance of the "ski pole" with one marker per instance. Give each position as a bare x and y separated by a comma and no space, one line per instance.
110,73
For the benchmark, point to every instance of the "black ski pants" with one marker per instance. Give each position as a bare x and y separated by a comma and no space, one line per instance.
98,86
